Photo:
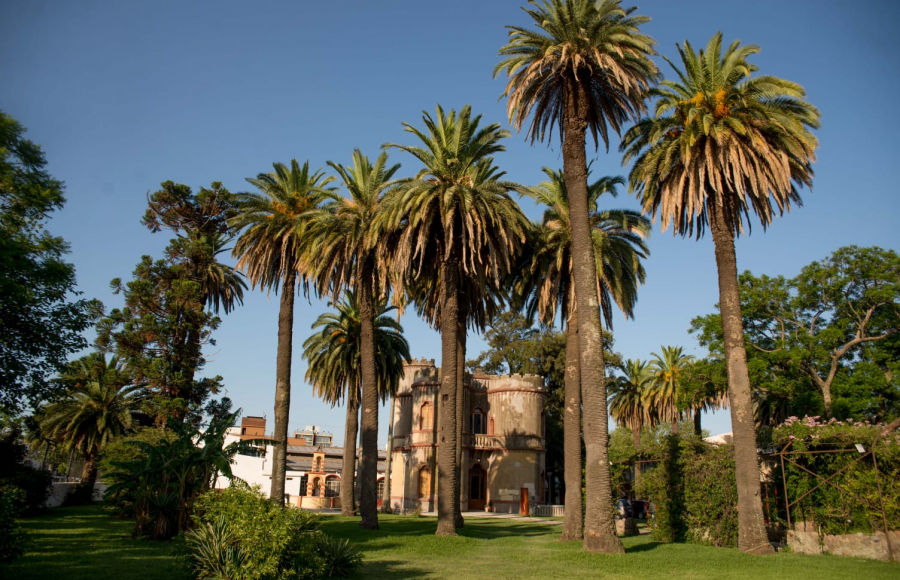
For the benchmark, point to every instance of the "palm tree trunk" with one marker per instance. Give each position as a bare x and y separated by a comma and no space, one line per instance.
752,535
448,430
460,403
89,472
636,434
348,467
368,478
572,522
283,386
599,529
698,431
386,496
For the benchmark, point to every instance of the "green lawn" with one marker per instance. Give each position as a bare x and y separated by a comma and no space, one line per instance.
85,543
510,549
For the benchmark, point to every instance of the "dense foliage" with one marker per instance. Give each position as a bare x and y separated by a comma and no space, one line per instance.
824,340
39,323
239,534
158,487
853,503
694,490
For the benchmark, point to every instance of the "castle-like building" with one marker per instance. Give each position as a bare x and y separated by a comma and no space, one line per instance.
503,445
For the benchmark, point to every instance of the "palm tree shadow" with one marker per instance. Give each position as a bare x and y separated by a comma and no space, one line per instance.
644,547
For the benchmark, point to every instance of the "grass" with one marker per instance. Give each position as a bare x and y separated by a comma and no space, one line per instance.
405,547
84,543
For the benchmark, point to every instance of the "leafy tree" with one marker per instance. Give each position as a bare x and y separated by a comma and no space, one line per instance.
347,249
97,408
335,369
546,284
721,144
831,331
274,223
585,66
39,324
457,225
159,335
201,223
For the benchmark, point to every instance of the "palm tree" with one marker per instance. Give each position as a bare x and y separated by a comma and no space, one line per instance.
546,281
457,222
586,66
344,252
720,144
269,251
668,371
96,408
704,388
629,400
335,369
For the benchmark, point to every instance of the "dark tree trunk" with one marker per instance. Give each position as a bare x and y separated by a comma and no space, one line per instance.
599,528
368,478
89,471
448,430
348,467
283,386
461,408
572,521
752,535
698,428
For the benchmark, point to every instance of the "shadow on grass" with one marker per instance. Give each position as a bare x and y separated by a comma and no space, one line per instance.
393,569
643,547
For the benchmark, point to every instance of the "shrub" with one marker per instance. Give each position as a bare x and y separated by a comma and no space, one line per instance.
273,543
858,507
695,493
214,551
340,558
12,536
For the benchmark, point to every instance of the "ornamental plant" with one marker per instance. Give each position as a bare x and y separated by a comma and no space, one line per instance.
853,503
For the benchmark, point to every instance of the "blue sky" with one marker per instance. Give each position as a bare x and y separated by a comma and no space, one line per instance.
125,95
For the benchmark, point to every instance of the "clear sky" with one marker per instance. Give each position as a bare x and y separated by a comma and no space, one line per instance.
125,95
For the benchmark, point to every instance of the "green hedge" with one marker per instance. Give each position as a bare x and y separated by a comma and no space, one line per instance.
694,491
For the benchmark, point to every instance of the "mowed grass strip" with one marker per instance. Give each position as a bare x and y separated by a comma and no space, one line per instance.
86,543
405,547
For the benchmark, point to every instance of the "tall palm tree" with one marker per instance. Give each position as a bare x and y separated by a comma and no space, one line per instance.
546,281
723,143
335,369
344,251
585,66
629,399
269,251
96,408
668,371
457,222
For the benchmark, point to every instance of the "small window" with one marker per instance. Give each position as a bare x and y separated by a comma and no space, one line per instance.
425,482
304,481
426,417
380,492
479,425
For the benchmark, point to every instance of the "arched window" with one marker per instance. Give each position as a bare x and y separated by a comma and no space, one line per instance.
332,487
317,487
479,425
318,465
426,417
425,482
491,426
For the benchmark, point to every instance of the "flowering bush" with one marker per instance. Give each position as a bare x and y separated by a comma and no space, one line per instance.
854,505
